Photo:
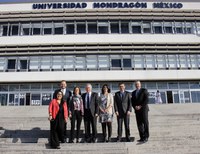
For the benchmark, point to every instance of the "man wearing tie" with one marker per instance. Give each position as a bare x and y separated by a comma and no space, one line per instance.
122,105
140,104
90,103
66,97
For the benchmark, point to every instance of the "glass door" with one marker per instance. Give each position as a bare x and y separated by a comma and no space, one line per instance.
13,99
184,96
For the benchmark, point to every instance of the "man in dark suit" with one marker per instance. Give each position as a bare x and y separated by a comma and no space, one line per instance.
66,96
90,103
140,104
122,105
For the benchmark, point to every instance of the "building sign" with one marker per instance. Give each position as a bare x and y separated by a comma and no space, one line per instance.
106,5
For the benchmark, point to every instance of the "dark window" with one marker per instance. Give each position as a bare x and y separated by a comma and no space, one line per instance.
116,62
11,63
23,64
92,28
188,30
124,28
81,28
47,31
114,27
126,62
36,31
25,31
70,29
5,30
168,30
58,30
136,29
179,30
158,30
15,30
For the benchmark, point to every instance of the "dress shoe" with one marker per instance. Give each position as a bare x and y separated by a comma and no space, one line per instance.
128,139
58,147
77,140
145,140
94,140
109,139
104,139
140,140
119,140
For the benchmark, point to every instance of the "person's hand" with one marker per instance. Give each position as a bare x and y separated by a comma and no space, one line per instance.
65,120
96,115
50,117
70,115
138,107
128,113
117,113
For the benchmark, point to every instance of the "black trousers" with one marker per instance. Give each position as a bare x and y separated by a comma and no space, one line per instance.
76,117
109,125
142,123
90,121
126,119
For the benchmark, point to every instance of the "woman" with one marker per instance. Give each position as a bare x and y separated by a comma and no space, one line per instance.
158,99
76,111
106,111
58,115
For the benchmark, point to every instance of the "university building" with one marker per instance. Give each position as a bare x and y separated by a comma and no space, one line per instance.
43,42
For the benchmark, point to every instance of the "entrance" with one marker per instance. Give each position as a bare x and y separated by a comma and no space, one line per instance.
170,97
184,96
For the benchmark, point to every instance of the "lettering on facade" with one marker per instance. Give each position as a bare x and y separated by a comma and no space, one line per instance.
59,6
168,5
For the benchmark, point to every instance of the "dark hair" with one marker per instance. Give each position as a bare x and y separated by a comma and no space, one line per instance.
121,83
105,85
56,93
75,89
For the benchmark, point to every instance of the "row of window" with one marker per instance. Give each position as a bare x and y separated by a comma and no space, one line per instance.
99,27
41,94
98,62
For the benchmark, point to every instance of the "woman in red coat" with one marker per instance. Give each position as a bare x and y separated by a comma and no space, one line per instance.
58,115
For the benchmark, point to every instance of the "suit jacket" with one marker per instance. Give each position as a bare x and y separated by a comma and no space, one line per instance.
142,99
66,97
93,103
122,105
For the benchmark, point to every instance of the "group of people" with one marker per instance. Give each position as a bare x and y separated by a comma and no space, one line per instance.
90,106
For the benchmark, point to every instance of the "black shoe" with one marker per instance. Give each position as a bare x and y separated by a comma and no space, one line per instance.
58,147
104,139
77,140
140,140
128,139
71,141
109,139
118,139
145,140
94,140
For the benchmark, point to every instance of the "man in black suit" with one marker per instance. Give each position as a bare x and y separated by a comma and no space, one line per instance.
90,103
140,101
66,96
122,105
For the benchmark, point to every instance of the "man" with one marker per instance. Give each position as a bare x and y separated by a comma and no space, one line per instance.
66,96
140,104
90,103
122,105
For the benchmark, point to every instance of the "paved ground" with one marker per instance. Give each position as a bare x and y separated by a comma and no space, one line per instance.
174,129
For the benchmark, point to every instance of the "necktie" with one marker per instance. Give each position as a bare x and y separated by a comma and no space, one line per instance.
88,101
137,92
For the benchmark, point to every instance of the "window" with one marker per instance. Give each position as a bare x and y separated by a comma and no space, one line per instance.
92,28
23,64
2,64
46,98
172,61
161,61
114,27
25,29
136,27
58,28
138,62
14,29
157,28
183,61
57,62
103,61
3,99
198,27
195,96
178,28
35,99
34,63
103,27
116,63
150,62
127,63
5,30
146,27
36,28
168,28
47,28
45,63
11,64
92,62
125,27
189,28
70,29
81,28
193,60
80,62
68,62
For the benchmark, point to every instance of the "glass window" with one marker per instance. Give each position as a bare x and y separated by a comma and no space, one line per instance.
183,85
13,99
46,98
80,62
81,28
58,28
36,29
3,88
34,63
162,85
179,28
35,99
2,64
114,27
151,85
161,61
11,63
124,27
116,62
146,27
157,28
92,62
126,63
47,28
103,27
150,61
189,28
36,87
195,96
103,61
14,87
5,30
70,28
136,27
46,86
168,27
57,62
14,30
45,63
92,28
194,85
183,61
172,59
3,99
138,62
23,64
25,29
194,61
173,85
68,62
198,27
24,87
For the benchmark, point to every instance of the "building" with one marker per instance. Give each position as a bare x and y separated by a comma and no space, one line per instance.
43,42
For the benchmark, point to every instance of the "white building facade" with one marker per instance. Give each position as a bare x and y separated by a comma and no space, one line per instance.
44,42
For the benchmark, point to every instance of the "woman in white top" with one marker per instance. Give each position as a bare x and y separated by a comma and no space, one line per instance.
106,111
158,99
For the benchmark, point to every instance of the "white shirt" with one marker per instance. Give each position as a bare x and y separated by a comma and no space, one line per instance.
64,91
